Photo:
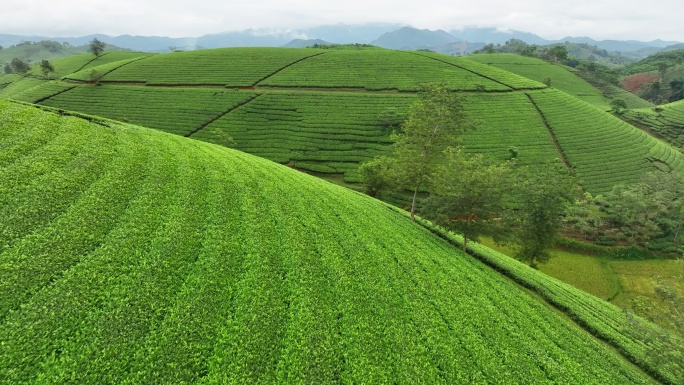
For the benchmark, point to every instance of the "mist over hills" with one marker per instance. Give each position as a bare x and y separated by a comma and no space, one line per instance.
386,35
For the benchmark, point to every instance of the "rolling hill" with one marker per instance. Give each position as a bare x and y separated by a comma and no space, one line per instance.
564,78
666,120
130,255
322,111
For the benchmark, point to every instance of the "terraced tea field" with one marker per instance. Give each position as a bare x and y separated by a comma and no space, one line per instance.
129,255
324,111
667,121
561,77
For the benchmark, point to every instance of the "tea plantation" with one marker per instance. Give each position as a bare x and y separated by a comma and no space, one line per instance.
130,255
325,111
666,121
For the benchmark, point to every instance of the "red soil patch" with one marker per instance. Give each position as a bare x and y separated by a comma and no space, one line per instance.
633,83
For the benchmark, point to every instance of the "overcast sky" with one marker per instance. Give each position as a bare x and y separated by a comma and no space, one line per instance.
599,19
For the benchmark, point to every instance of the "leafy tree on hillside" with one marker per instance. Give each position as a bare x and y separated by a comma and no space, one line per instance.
676,90
436,121
469,195
652,209
7,69
46,67
557,53
544,196
618,106
377,175
19,66
96,47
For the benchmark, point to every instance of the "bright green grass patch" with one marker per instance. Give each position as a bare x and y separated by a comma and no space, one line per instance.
666,120
642,280
226,67
586,272
561,77
153,258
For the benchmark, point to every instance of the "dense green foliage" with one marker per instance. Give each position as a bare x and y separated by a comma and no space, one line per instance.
134,256
654,62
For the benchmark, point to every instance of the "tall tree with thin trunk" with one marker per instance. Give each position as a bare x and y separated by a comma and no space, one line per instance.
435,121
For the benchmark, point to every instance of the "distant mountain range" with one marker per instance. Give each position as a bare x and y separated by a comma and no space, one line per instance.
394,36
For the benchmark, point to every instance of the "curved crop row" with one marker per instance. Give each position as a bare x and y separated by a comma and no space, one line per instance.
634,337
226,67
560,77
176,110
602,149
509,78
378,70
666,120
153,258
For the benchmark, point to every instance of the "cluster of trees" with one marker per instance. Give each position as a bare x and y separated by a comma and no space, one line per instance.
19,66
528,207
647,214
469,194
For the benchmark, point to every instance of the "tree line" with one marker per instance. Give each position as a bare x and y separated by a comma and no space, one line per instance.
23,66
527,206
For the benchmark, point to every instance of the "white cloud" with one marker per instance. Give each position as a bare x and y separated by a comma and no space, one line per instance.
600,19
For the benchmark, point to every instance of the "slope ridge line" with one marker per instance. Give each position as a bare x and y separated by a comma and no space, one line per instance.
217,117
285,67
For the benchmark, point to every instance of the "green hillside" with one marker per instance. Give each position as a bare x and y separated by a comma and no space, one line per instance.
560,77
667,121
324,111
34,52
133,256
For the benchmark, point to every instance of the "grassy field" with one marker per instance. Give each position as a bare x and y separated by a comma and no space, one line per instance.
129,255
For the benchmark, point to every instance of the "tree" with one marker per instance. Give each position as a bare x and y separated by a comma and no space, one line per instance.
652,209
676,90
618,106
96,47
662,71
19,66
435,121
544,194
557,53
376,175
584,217
7,69
469,195
46,67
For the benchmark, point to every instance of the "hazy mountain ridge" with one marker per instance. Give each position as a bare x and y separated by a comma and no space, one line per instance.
396,36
